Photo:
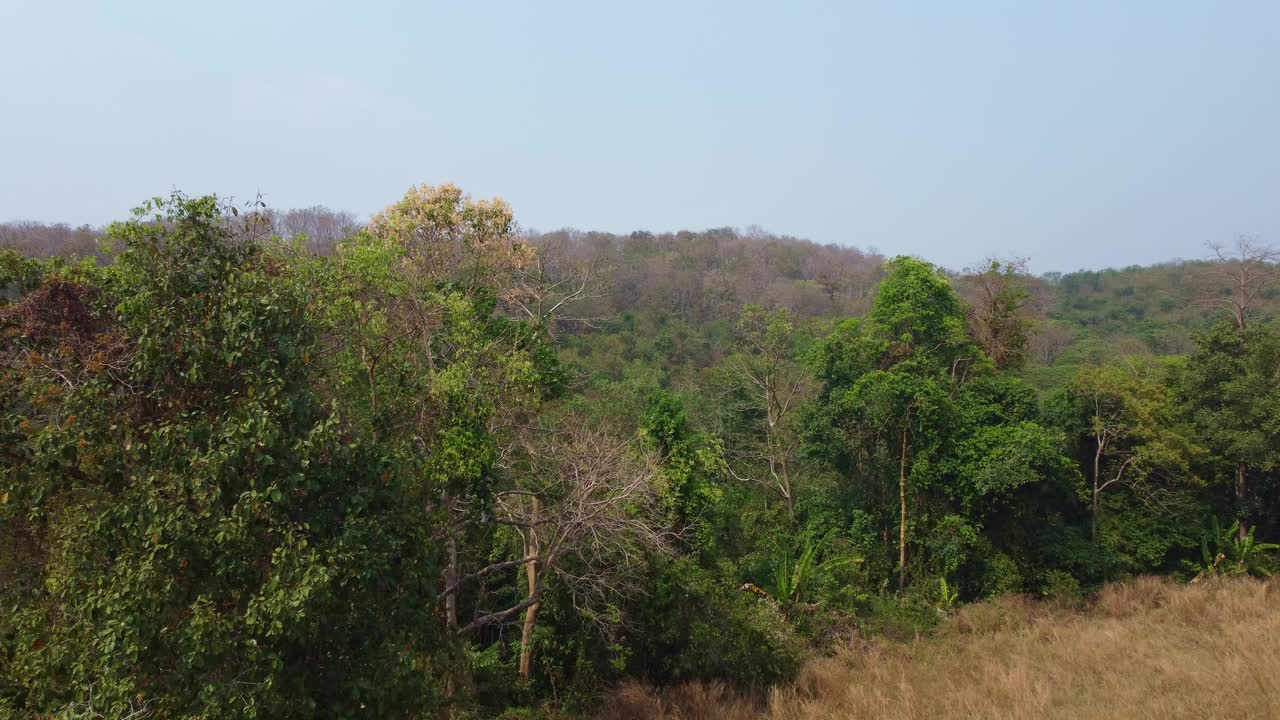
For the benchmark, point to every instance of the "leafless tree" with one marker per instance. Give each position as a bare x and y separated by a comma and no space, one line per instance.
1050,341
550,290
777,385
323,228
587,513
1251,268
35,239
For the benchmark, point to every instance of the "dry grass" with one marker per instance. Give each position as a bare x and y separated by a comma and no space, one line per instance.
1145,649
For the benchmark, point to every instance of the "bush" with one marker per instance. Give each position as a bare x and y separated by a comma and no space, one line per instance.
697,626
1063,588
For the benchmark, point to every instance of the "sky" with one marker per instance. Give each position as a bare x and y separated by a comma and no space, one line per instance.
1077,134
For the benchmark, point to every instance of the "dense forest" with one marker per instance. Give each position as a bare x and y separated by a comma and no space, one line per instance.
288,464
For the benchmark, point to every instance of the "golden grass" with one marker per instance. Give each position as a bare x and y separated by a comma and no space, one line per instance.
1144,649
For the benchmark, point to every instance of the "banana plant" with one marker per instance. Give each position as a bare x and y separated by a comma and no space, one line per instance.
1231,554
947,598
791,579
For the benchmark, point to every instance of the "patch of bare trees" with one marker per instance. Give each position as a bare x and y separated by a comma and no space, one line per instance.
42,240
710,275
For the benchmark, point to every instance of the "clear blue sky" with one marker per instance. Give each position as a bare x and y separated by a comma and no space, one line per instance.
1080,134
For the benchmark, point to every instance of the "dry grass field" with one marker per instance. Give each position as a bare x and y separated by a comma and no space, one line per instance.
1144,649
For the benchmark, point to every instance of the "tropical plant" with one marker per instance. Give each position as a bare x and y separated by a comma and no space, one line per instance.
947,598
1232,554
793,578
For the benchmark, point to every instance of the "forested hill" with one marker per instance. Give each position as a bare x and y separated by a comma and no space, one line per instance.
701,278
260,464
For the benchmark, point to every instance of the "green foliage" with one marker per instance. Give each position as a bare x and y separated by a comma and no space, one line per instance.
234,477
1231,390
18,275
792,577
1225,553
692,467
947,598
1062,588
197,527
696,625
908,399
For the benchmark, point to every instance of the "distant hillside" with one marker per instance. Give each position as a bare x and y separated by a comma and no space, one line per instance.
706,277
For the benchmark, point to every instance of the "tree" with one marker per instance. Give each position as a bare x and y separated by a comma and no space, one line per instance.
424,354
997,315
1135,440
587,514
1050,341
197,533
449,237
549,289
321,228
1231,388
889,384
692,466
1251,269
776,385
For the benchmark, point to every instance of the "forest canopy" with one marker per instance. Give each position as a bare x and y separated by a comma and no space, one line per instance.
285,464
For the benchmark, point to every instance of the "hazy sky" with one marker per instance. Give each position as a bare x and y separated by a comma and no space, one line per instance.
1080,134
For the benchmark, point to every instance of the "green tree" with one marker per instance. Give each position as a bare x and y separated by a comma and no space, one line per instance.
889,383
1135,440
1231,388
692,468
197,533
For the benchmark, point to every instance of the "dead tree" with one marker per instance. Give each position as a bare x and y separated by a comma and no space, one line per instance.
1250,268
551,291
587,513
777,386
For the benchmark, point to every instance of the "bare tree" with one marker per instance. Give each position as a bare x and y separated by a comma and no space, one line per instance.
588,515
323,228
1251,268
1050,341
998,318
549,290
35,239
777,385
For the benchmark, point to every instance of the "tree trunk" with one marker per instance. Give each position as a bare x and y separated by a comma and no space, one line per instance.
1093,519
902,523
451,572
786,486
526,633
531,570
1096,508
1241,491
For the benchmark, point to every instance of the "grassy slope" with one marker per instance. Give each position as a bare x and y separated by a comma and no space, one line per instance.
1146,649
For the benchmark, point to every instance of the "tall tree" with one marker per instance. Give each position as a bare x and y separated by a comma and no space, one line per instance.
199,533
1130,419
1231,388
424,353
889,383
998,317
776,385
1250,269
587,512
